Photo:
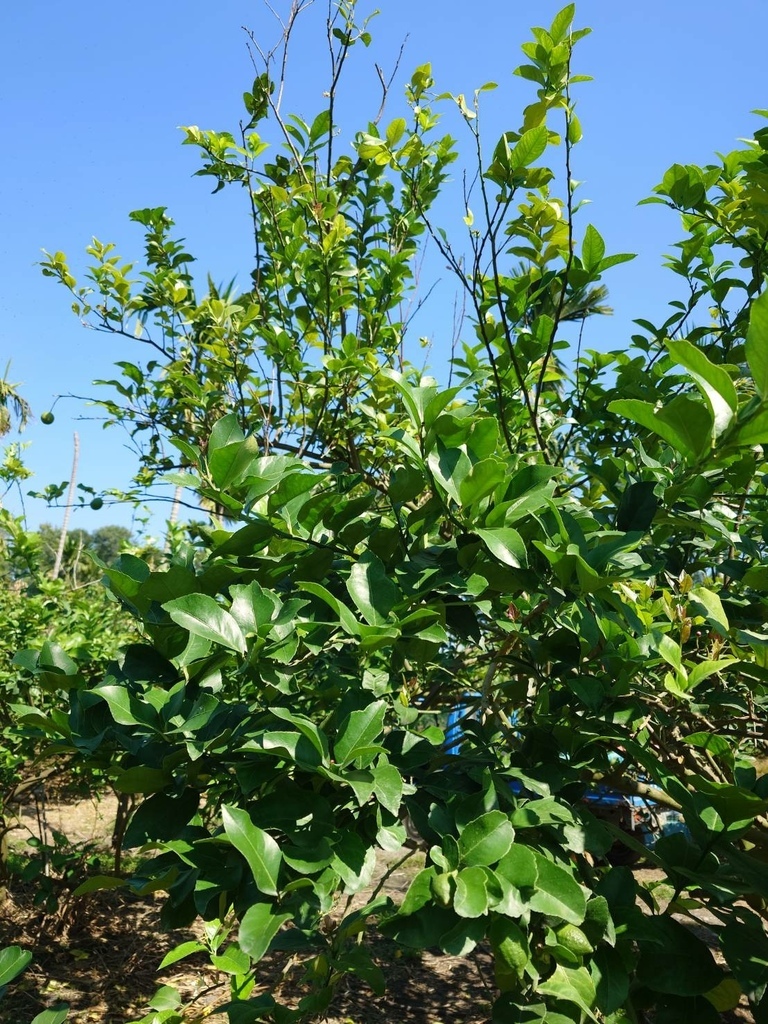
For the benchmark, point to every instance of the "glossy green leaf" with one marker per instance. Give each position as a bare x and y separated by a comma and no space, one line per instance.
707,603
529,148
486,839
165,998
344,615
56,1015
518,866
714,382
557,892
359,731
180,952
506,544
756,347
202,616
388,787
13,960
233,960
592,248
471,896
124,707
753,430
371,589
258,928
572,985
259,848
684,423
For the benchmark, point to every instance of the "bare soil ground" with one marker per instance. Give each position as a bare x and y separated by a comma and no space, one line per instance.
100,954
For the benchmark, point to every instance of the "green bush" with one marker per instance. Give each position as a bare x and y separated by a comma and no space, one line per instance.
577,538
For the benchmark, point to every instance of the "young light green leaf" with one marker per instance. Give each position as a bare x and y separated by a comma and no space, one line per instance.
258,847
592,249
705,669
184,949
204,617
529,148
395,131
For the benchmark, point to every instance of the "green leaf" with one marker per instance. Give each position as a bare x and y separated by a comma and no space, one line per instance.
561,23
166,998
233,960
96,883
529,148
674,960
684,423
471,896
202,616
419,892
705,669
506,544
573,985
753,430
482,479
449,467
371,589
518,867
735,805
358,731
756,347
745,947
13,960
557,892
713,381
637,507
259,848
707,603
232,462
141,779
486,839
316,737
184,949
345,617
592,249
124,707
395,131
258,928
388,787
56,1015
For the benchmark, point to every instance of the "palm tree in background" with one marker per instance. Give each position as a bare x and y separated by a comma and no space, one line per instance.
12,405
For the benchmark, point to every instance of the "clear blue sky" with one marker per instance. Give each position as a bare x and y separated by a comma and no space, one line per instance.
92,94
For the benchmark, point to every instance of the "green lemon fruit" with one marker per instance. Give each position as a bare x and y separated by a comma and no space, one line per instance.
47,418
574,940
